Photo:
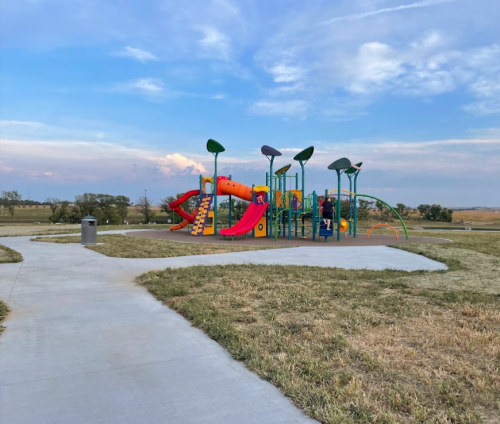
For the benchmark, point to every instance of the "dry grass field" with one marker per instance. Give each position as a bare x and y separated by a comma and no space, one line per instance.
4,310
120,246
479,217
351,346
8,255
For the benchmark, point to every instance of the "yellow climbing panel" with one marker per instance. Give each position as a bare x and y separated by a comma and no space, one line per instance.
201,217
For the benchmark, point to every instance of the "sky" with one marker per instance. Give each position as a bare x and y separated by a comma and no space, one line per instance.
121,96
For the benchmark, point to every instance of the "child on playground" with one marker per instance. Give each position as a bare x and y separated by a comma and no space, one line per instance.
327,212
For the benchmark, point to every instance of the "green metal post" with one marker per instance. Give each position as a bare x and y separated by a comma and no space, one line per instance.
350,201
301,204
271,196
215,196
289,217
338,204
355,204
314,212
284,205
267,212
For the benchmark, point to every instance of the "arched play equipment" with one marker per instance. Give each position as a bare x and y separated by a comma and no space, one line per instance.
382,225
279,208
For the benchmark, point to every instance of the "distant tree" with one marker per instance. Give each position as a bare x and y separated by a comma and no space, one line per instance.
424,211
87,203
62,213
53,204
144,207
106,209
400,208
380,207
240,207
435,212
446,215
121,204
363,209
11,199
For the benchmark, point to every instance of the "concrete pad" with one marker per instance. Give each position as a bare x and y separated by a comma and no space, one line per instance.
85,344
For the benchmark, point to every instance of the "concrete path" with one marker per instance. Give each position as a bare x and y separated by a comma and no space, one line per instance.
84,344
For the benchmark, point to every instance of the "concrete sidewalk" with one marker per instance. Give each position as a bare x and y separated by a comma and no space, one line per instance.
85,344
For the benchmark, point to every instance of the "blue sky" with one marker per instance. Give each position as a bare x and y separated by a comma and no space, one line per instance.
118,96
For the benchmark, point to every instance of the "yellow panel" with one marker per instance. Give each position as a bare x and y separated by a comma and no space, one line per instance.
264,188
297,193
209,226
260,228
277,201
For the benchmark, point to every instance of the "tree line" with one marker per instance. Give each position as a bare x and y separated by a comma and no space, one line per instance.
111,209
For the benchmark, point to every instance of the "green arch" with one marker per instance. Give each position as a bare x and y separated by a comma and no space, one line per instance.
391,208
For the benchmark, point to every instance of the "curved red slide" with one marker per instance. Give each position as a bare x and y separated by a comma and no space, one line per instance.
176,205
183,223
248,221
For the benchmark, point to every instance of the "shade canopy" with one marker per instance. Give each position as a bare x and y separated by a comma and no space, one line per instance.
214,146
304,155
354,168
269,151
339,164
282,170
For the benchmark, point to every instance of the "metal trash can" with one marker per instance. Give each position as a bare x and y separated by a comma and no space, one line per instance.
89,230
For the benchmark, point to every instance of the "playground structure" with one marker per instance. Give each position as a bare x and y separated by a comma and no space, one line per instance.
279,208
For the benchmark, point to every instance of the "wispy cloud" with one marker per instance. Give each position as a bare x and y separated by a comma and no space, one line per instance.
425,3
137,54
214,43
146,86
297,108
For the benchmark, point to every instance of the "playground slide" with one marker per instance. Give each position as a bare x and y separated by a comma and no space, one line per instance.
176,205
248,221
183,223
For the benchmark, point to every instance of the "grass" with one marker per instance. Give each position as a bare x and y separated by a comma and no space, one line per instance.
4,311
8,255
120,246
352,346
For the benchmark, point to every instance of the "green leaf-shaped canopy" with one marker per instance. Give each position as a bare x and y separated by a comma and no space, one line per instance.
354,168
305,154
214,146
339,164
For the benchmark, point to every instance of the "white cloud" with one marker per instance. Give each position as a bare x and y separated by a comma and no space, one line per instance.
145,86
5,123
219,96
79,161
214,43
425,3
175,164
137,54
286,74
285,109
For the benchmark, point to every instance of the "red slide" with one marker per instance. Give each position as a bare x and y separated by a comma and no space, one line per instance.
183,223
176,205
248,221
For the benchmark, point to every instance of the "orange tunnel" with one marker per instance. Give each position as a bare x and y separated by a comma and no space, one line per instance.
228,187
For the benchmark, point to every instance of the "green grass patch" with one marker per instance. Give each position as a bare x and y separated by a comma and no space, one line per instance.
120,246
4,311
8,255
351,346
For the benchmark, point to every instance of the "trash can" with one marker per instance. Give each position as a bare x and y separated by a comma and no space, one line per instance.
89,230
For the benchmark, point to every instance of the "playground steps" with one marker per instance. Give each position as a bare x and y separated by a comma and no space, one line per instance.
323,232
200,219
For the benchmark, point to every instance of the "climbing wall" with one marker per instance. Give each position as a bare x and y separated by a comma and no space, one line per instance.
201,217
